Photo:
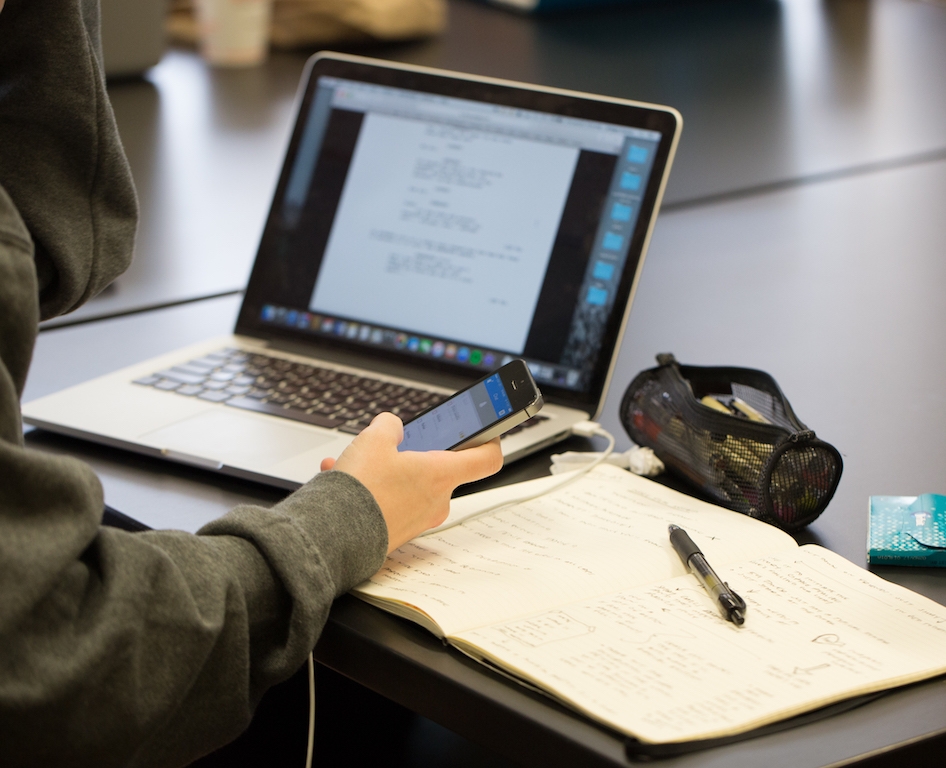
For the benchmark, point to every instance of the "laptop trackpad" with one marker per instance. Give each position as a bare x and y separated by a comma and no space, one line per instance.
237,440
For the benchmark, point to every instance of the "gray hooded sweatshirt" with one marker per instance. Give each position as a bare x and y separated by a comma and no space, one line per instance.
118,648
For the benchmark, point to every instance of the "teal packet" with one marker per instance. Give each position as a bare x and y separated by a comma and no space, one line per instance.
907,530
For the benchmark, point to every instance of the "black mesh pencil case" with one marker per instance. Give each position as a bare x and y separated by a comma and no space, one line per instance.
731,433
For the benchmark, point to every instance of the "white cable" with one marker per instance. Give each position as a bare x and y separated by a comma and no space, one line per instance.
311,740
639,460
585,429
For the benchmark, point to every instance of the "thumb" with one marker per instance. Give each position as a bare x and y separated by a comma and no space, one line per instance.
385,427
475,463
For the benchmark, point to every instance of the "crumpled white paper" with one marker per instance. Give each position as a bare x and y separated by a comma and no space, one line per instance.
640,461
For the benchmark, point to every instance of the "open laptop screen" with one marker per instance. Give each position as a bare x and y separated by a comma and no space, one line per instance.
454,231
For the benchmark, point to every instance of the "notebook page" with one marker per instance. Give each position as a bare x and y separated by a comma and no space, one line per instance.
604,532
660,663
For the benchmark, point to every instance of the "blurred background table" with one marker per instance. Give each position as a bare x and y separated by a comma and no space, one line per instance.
773,95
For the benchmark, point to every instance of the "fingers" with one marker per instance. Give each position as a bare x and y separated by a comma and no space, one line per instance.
386,426
386,431
412,488
383,434
476,463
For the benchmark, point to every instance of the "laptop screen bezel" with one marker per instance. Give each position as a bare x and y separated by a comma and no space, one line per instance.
522,96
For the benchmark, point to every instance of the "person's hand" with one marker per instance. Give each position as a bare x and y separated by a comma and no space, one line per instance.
412,488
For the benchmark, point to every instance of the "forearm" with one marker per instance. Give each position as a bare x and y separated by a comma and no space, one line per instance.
154,648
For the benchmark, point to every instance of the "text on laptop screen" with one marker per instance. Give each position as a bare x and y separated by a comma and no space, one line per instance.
465,231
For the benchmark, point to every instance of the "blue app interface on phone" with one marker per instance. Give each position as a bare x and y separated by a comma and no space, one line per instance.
457,419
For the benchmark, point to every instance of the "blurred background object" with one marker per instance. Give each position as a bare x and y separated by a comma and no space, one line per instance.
133,35
311,23
233,33
551,6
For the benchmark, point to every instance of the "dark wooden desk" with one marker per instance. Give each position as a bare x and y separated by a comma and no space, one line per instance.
773,94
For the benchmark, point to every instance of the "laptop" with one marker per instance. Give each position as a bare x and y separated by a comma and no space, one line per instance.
427,227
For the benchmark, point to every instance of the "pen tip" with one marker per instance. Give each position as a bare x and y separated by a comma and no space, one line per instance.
736,617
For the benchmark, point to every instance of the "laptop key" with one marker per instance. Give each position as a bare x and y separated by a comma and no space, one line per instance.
215,397
272,409
207,362
194,369
292,390
537,419
181,377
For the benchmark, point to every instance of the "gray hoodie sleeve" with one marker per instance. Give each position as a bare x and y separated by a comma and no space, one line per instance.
152,649
117,648
60,158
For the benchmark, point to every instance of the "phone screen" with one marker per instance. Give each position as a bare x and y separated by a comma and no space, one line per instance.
459,418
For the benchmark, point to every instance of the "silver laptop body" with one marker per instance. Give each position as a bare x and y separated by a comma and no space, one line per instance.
426,227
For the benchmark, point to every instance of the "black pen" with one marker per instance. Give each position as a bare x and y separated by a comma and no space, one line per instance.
730,604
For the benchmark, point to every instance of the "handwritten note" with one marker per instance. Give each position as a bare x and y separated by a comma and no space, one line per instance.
659,662
579,593
603,533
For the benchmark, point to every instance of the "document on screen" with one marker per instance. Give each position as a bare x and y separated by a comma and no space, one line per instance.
449,235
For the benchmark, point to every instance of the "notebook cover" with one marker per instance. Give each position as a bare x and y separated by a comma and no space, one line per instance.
907,530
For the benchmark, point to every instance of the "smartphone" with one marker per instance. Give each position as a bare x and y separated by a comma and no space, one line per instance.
475,415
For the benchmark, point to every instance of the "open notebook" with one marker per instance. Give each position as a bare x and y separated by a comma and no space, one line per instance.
580,595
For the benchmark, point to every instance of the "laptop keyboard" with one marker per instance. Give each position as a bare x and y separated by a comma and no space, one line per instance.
308,393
